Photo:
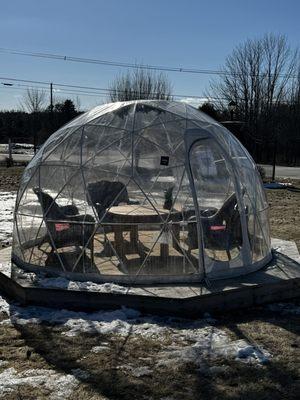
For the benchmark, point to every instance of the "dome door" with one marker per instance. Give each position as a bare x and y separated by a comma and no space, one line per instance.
218,239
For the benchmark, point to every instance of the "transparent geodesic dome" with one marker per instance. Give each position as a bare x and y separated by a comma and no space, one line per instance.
142,191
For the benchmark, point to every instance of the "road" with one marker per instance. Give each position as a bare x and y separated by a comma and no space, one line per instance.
283,172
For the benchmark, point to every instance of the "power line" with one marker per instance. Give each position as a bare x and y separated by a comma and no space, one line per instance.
98,89
129,65
95,91
110,62
55,92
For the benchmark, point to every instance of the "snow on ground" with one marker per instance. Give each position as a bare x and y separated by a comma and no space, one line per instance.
137,371
17,148
192,340
7,204
60,386
40,279
5,268
63,283
212,345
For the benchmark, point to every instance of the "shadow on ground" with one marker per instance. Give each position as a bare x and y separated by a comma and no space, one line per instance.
109,372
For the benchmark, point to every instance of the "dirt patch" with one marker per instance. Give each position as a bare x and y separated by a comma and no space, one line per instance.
285,214
10,178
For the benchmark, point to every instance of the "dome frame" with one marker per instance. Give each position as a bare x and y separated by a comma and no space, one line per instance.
144,146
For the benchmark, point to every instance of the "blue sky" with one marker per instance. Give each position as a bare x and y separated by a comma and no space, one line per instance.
190,33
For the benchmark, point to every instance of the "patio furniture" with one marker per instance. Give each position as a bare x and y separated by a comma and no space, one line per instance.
128,217
221,229
104,194
64,225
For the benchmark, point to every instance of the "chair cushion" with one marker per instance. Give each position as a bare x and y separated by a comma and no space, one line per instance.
217,228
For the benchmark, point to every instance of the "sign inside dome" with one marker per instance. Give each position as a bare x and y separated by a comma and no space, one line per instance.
164,160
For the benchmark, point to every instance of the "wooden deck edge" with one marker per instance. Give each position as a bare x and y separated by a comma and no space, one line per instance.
193,307
11,289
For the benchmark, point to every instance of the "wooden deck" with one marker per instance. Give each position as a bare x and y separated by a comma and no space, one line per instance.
107,260
278,281
155,254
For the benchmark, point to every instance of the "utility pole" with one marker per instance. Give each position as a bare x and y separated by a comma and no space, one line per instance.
51,107
10,158
51,98
274,158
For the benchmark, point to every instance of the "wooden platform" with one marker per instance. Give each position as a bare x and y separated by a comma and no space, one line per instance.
278,281
164,255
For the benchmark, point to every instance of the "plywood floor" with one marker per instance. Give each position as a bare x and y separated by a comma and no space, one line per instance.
155,255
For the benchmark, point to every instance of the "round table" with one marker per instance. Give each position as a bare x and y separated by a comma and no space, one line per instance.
127,218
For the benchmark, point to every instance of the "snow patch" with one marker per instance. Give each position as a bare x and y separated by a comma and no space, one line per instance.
141,371
212,343
7,205
59,385
249,353
192,341
40,279
64,283
5,268
99,349
136,371
4,306
17,148
2,363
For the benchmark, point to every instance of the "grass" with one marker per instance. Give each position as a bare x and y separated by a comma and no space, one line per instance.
10,178
109,375
285,214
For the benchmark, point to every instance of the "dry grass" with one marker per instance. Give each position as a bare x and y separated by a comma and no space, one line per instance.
285,214
10,178
108,376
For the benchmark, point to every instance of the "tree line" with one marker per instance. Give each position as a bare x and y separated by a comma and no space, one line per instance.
257,91
262,80
35,122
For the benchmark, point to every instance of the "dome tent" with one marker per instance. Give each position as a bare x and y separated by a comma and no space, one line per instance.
142,191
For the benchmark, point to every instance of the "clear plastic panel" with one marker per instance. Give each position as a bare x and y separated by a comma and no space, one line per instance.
110,195
113,154
56,143
122,118
218,207
146,116
254,200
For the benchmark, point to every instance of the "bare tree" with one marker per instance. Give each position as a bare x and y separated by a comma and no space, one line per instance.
257,76
77,103
140,84
34,100
292,115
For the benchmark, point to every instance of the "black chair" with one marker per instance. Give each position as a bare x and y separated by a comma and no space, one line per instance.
65,226
104,194
221,229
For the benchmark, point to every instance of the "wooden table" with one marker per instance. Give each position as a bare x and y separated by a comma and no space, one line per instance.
127,218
